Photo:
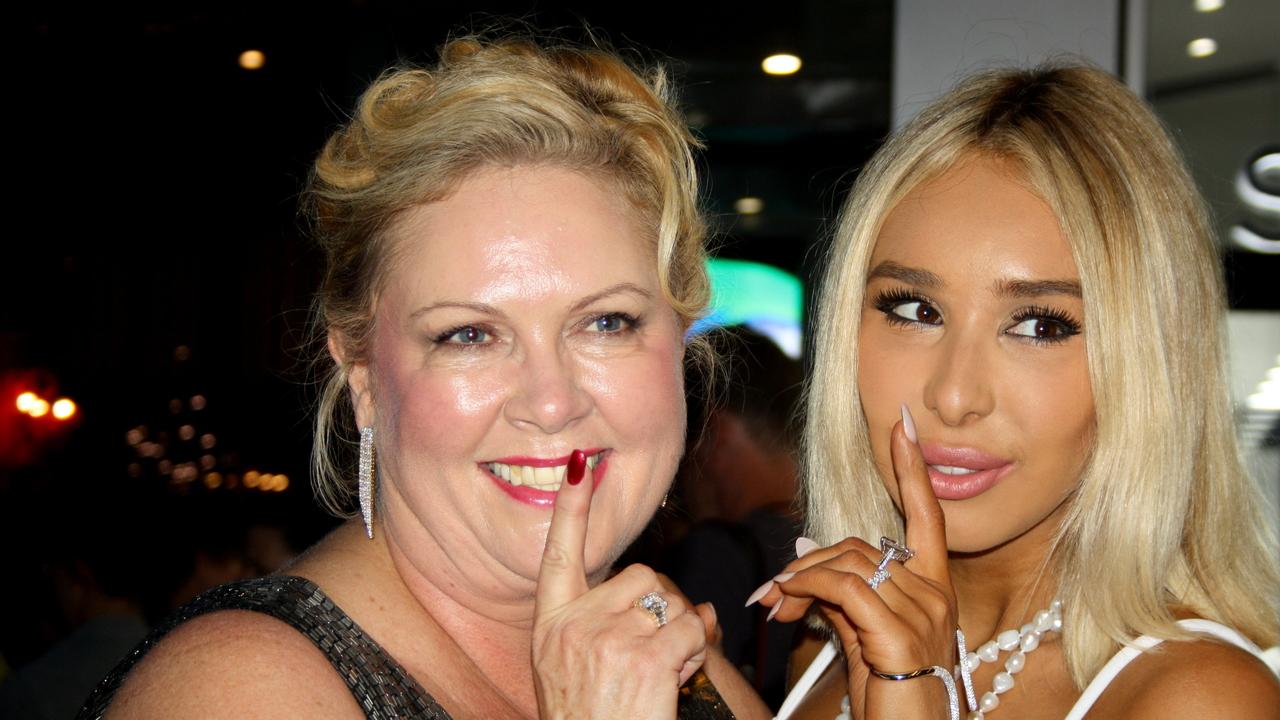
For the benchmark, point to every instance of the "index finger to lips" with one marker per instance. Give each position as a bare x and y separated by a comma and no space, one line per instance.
562,577
925,524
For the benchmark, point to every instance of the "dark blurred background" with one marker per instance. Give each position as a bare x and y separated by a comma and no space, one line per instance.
161,277
158,275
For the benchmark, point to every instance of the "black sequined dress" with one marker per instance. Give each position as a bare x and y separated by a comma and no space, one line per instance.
379,684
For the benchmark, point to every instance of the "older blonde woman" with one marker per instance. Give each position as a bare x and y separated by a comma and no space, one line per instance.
514,255
1019,383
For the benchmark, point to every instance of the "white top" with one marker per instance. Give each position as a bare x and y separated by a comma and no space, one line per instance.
1087,698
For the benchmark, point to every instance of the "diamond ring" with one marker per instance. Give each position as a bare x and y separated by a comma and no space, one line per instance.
892,551
655,605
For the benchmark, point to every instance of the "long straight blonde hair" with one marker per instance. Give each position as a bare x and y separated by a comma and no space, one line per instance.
1164,519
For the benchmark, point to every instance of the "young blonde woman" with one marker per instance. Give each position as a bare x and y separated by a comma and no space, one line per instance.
1019,382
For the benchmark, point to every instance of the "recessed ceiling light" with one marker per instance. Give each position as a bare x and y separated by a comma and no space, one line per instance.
252,59
1209,5
748,205
781,64
1202,47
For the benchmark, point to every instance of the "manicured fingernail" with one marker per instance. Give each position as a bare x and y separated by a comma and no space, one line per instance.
804,546
908,425
577,466
775,610
759,593
783,577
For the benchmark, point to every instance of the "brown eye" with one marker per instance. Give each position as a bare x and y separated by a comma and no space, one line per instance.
926,314
917,311
1039,328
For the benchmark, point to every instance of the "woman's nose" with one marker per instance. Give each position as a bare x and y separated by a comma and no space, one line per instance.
547,395
959,387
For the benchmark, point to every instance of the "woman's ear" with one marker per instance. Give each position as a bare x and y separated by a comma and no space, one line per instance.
357,374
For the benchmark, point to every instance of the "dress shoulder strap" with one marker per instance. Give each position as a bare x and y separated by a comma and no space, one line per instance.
1133,650
807,680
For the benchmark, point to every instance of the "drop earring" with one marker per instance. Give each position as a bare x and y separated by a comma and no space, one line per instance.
366,479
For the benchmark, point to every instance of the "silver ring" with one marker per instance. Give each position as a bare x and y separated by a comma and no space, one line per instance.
892,551
655,605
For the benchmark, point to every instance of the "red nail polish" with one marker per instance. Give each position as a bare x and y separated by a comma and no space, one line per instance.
577,466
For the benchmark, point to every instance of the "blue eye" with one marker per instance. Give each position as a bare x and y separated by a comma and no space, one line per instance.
612,323
468,335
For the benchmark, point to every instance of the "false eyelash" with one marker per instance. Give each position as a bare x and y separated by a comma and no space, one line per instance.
886,300
1072,325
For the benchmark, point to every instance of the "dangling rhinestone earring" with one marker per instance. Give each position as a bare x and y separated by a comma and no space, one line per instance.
366,479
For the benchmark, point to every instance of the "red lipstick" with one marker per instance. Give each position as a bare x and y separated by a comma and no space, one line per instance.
533,496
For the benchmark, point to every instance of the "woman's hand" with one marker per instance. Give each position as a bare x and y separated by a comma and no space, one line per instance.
905,624
595,654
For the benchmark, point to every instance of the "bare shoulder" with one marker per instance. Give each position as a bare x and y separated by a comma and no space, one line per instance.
1198,679
234,663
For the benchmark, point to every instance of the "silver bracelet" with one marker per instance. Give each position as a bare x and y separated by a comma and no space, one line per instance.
953,698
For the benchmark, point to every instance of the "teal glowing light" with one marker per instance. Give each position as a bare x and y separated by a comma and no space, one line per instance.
762,297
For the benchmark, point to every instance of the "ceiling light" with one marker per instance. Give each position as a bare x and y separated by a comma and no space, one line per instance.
781,64
252,59
1209,5
63,409
1202,47
26,401
38,408
748,205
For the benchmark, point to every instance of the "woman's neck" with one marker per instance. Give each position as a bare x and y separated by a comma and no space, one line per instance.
1005,586
493,633
472,657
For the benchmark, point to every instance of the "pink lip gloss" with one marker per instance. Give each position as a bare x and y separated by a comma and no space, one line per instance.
986,470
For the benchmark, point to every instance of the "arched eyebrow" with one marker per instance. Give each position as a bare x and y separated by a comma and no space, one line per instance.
912,276
1037,288
620,288
1006,288
490,310
478,308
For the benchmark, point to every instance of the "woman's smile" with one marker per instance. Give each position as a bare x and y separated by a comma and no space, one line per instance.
536,481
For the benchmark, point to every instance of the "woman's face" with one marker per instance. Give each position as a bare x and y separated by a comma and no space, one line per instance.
522,319
973,317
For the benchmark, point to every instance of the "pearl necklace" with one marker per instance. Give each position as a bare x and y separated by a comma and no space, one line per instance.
1021,641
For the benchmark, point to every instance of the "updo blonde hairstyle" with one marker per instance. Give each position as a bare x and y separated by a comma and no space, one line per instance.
1164,520
418,132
